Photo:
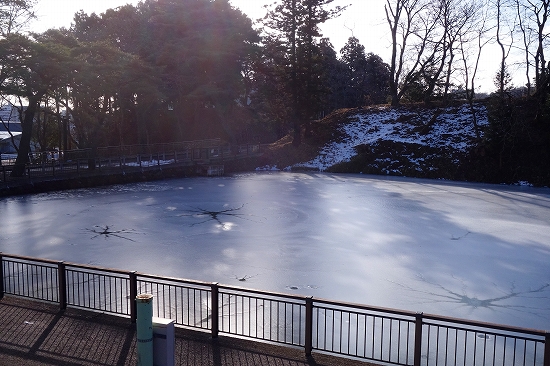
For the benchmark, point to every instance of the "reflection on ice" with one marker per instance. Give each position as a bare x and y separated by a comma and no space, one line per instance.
483,250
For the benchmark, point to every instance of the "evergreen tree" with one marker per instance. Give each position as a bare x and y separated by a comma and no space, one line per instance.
368,76
193,55
353,56
30,69
377,80
335,78
294,26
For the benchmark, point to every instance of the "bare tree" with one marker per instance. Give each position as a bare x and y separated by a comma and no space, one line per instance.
439,47
463,25
471,45
505,29
455,21
428,38
413,27
539,13
15,15
526,33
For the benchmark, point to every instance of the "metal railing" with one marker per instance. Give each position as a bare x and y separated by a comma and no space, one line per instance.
95,288
188,303
262,315
127,158
371,333
377,334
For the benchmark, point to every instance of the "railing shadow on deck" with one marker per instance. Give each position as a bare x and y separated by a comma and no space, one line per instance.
376,334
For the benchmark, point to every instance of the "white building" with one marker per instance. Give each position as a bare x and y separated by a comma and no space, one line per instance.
10,125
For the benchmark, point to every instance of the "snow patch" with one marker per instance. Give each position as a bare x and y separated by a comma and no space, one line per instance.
452,127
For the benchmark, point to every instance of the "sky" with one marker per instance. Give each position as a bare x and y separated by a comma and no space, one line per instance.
364,19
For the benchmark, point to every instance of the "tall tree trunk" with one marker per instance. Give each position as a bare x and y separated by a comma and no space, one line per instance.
296,123
502,71
26,134
393,23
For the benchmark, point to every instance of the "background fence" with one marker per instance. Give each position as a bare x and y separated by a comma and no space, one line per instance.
383,335
131,157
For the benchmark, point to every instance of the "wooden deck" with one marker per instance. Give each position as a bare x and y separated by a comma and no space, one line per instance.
33,333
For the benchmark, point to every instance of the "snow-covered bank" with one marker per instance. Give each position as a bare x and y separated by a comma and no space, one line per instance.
450,128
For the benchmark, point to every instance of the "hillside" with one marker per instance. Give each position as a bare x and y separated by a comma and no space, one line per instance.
417,141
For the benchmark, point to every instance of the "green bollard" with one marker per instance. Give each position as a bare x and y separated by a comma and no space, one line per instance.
144,326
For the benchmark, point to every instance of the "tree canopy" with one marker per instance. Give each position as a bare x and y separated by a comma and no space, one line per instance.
167,70
173,70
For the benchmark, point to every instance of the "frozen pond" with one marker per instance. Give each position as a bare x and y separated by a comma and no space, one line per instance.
456,249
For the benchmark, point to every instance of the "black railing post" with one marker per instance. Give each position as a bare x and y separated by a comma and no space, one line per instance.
547,349
215,309
1,276
308,342
62,282
133,294
417,339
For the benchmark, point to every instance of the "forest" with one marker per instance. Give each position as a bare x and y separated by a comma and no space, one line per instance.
180,70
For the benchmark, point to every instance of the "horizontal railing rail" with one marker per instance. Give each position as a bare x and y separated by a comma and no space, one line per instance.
91,161
389,336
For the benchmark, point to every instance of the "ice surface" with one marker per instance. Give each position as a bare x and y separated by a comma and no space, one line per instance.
465,250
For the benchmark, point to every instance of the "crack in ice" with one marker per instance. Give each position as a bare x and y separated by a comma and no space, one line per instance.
199,212
107,232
